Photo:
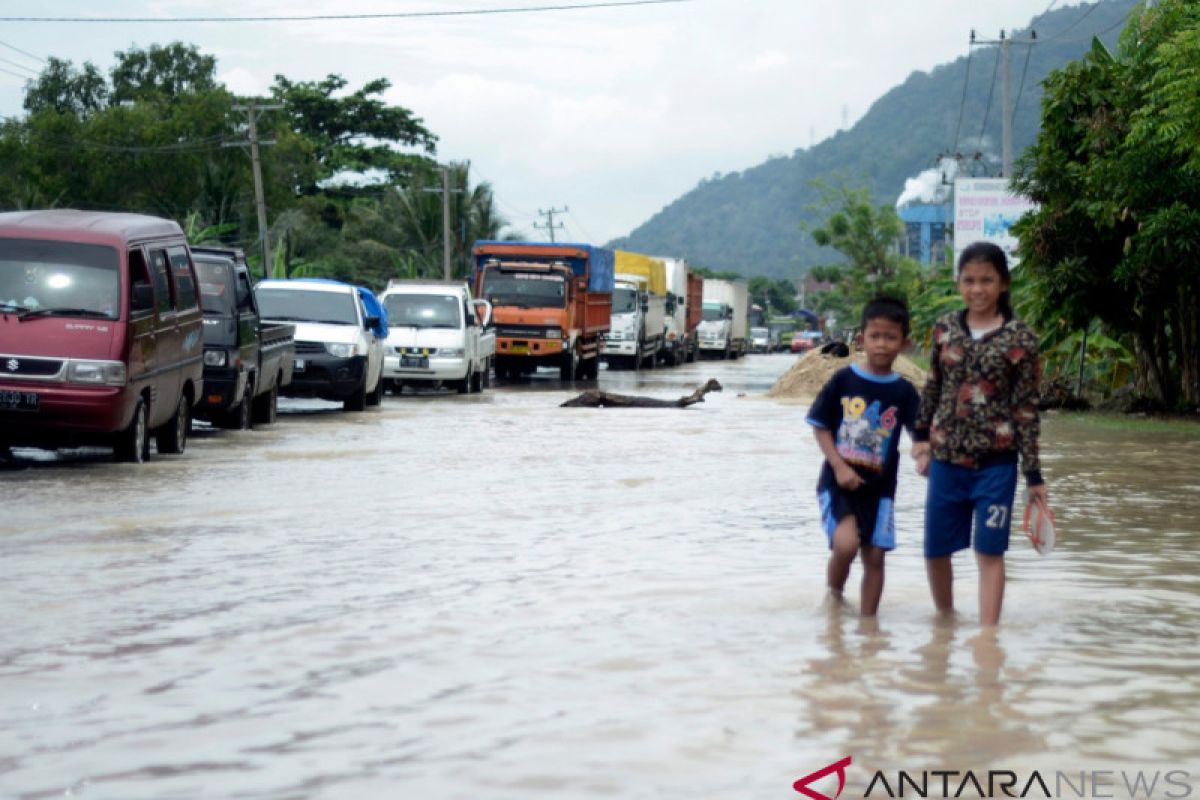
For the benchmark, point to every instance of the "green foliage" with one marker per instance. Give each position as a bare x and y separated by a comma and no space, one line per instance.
1116,240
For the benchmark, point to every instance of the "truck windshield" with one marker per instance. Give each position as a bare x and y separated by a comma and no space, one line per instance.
524,289
624,301
303,305
713,312
59,278
216,286
423,311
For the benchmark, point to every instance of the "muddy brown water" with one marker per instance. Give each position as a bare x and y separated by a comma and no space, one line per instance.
489,596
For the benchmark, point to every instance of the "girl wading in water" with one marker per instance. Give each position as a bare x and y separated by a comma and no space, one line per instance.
978,418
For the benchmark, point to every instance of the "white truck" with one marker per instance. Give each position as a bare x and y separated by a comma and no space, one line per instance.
437,333
723,325
637,328
680,343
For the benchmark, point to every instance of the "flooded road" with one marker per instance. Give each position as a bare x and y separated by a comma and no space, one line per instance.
488,596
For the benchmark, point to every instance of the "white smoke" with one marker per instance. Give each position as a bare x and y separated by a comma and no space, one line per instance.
934,185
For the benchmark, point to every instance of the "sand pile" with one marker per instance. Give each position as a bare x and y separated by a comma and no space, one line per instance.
809,374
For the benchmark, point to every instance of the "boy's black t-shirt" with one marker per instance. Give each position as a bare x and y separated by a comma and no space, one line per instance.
865,412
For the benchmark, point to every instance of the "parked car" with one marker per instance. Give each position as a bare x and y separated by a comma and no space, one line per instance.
246,361
340,330
803,341
437,333
100,332
760,340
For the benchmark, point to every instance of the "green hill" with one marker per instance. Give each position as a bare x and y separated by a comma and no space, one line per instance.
748,221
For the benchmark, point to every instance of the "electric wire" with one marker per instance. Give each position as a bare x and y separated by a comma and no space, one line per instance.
1021,85
33,72
987,112
375,16
963,103
15,74
1078,20
23,52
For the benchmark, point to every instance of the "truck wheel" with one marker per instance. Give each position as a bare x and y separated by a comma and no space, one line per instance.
568,365
591,368
239,417
486,377
357,401
376,397
266,407
172,437
477,379
133,443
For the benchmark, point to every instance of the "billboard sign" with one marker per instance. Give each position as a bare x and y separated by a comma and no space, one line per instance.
984,210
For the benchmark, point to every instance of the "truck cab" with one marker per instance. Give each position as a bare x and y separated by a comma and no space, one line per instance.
715,330
437,333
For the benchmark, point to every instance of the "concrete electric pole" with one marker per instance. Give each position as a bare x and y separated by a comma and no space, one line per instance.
447,267
1006,111
252,110
550,224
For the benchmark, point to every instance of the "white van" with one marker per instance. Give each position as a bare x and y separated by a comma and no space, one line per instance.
437,333
340,331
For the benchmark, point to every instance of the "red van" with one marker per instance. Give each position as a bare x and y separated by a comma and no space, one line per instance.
100,332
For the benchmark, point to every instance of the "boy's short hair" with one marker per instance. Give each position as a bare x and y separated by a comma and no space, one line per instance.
886,306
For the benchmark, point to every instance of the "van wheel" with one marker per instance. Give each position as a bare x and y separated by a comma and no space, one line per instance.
376,397
358,400
133,443
172,437
266,407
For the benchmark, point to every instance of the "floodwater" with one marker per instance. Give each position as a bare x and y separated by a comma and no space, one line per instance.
490,596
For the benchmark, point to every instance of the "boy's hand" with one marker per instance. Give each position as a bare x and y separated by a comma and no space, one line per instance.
847,478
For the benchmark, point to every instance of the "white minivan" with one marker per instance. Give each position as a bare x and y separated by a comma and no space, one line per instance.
340,330
437,334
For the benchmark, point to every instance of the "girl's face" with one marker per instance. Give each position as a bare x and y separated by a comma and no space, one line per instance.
980,285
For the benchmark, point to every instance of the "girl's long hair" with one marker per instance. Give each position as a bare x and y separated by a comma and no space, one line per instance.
991,254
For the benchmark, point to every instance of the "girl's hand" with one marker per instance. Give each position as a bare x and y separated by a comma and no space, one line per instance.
922,455
1039,495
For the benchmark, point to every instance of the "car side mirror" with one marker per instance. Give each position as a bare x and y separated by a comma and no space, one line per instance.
371,323
483,312
143,297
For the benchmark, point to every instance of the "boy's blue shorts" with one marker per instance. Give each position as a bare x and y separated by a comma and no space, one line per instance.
875,516
959,495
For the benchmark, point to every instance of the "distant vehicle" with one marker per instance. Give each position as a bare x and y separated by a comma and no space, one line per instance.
803,341
100,332
639,307
760,340
340,330
685,297
246,361
722,328
437,332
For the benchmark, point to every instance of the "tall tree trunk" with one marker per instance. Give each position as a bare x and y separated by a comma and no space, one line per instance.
1189,350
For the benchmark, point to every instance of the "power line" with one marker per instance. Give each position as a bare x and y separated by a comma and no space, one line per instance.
991,93
328,17
1021,86
1078,20
963,104
23,52
15,74
30,70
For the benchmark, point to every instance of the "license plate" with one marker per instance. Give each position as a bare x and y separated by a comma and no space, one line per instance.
19,401
519,350
414,362
299,365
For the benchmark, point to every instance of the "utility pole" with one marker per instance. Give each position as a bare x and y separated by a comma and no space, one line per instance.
260,200
447,270
550,224
1006,112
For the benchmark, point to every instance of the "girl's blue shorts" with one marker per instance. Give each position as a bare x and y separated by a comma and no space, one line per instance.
959,496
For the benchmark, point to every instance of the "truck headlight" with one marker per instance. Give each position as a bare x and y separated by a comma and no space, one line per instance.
553,333
450,352
215,358
341,350
101,373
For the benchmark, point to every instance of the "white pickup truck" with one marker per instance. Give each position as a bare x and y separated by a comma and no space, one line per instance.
437,333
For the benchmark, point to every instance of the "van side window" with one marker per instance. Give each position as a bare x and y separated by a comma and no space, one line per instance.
185,283
162,280
139,282
244,292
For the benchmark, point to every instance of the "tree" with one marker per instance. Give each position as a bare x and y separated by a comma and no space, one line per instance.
866,235
162,74
1116,172
62,89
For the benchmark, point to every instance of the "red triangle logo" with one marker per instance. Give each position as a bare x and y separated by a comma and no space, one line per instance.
839,767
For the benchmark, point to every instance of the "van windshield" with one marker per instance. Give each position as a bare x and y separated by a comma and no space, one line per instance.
423,311
524,289
59,278
216,286
306,305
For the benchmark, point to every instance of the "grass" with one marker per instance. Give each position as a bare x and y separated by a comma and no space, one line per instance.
1188,426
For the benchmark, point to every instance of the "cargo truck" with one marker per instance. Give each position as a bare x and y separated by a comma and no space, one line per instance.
638,328
684,301
551,303
723,327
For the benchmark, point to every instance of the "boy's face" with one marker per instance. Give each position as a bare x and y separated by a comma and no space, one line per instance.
883,340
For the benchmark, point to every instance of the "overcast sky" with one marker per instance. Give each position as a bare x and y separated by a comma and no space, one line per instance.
613,112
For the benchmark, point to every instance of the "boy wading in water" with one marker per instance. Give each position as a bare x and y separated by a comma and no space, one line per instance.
857,419
978,415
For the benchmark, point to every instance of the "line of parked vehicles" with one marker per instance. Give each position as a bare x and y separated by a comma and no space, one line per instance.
113,330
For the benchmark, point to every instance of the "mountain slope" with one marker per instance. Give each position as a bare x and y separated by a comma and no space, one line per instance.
749,221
